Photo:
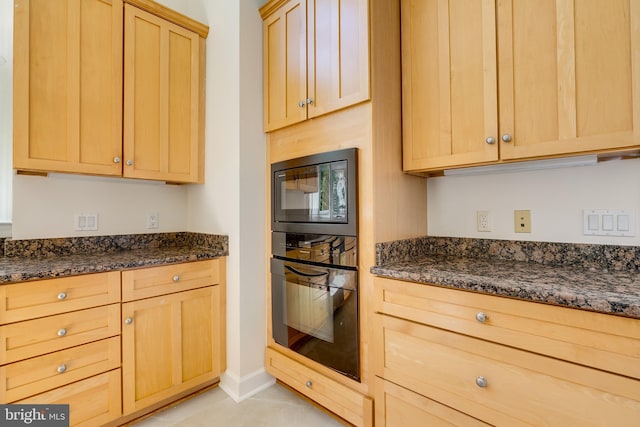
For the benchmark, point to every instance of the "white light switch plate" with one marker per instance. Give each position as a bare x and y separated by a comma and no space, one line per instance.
607,222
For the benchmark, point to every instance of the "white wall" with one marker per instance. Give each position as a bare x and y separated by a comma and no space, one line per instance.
232,200
556,198
6,113
45,206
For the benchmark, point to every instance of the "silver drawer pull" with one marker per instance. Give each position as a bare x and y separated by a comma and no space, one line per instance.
62,296
309,384
62,368
481,382
481,317
128,321
62,332
176,278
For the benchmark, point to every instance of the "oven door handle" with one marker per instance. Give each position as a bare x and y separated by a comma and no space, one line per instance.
300,273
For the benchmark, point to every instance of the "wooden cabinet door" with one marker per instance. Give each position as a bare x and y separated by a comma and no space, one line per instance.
338,55
570,78
285,65
162,69
170,344
68,86
449,83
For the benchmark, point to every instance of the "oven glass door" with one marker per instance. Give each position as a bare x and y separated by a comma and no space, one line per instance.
312,194
315,313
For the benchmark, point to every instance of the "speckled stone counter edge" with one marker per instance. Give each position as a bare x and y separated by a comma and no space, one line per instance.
601,257
37,248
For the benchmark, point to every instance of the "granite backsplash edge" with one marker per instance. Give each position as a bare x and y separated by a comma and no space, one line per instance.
592,256
66,246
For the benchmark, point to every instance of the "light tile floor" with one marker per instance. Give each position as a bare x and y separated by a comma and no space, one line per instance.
273,407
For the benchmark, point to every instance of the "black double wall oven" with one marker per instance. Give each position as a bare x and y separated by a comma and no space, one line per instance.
314,267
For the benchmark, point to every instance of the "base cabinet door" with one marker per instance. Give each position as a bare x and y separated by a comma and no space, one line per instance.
92,402
170,343
397,406
502,385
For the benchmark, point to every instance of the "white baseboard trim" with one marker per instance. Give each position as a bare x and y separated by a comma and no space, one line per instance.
240,389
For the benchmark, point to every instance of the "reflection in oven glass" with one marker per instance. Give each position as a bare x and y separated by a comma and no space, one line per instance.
320,316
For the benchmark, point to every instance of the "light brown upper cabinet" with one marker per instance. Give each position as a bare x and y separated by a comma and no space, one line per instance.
562,81
163,138
76,111
316,58
67,80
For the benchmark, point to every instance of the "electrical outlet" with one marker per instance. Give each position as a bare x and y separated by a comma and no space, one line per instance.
482,221
522,221
152,220
86,221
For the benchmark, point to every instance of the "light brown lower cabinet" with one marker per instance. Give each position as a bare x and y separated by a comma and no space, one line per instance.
113,354
169,344
399,407
430,363
92,402
348,404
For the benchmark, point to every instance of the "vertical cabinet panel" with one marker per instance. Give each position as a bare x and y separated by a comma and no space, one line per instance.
285,65
316,58
68,86
172,343
449,82
338,54
161,100
568,81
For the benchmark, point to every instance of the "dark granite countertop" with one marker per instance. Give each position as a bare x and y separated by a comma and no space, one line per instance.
603,288
50,258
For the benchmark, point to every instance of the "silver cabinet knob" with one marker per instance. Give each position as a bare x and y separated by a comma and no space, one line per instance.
62,368
481,382
309,384
301,104
481,317
490,140
309,101
62,296
116,159
128,321
129,162
506,137
176,278
62,332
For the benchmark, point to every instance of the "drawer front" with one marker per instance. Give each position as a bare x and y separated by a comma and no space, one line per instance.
398,407
92,402
33,376
607,342
499,384
32,338
341,400
154,281
30,300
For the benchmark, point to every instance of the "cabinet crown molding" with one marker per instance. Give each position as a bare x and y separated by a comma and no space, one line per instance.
270,7
171,15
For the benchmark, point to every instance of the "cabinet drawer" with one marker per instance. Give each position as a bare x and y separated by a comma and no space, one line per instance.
39,374
344,402
607,342
154,281
521,388
92,402
30,300
39,336
398,407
